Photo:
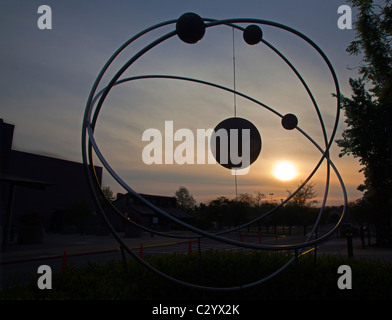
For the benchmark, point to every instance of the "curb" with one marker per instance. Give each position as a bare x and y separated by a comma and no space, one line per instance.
90,253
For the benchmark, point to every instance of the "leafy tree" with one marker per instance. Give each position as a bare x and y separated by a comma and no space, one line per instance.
374,35
299,210
254,200
185,200
228,212
246,198
258,198
108,193
368,136
302,198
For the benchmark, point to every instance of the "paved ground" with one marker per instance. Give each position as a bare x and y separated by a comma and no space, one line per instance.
79,249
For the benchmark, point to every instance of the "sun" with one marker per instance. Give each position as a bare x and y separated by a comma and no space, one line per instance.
284,171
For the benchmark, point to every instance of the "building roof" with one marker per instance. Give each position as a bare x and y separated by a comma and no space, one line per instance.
159,201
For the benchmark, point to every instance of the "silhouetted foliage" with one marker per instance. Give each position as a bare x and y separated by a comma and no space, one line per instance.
95,281
224,212
185,200
368,136
302,198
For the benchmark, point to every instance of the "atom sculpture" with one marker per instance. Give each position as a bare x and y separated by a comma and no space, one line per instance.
191,28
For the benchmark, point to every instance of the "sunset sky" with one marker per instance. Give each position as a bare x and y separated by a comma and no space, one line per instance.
46,77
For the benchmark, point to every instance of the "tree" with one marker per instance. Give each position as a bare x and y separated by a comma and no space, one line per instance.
253,200
185,200
299,210
374,35
107,196
108,193
234,212
368,136
245,198
302,197
258,197
365,138
217,211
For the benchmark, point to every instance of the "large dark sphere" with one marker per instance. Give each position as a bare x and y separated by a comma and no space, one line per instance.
190,28
289,121
252,34
239,124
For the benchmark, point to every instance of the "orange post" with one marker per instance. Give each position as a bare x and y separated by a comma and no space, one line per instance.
190,246
64,263
141,251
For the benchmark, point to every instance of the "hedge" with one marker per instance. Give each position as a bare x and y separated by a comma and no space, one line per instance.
306,279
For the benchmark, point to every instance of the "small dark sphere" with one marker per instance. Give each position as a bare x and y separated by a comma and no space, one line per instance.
289,121
252,34
239,124
190,28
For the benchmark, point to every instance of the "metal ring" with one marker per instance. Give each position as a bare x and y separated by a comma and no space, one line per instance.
89,125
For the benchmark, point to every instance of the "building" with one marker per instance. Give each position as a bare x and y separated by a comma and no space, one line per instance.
140,213
54,193
39,187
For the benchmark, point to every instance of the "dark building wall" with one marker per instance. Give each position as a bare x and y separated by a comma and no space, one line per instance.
68,184
6,137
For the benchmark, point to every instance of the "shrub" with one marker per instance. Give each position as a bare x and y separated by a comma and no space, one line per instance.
306,279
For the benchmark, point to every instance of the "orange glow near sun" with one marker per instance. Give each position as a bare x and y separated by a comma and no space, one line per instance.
284,171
